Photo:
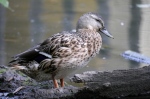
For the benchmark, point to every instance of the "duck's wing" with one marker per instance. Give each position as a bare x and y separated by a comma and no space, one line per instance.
47,49
26,55
32,53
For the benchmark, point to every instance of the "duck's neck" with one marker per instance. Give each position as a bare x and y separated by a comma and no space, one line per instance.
87,32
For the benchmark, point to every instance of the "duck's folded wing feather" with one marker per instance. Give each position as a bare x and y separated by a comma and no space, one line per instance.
31,53
57,45
26,55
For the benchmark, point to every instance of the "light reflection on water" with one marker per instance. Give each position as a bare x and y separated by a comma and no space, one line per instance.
35,20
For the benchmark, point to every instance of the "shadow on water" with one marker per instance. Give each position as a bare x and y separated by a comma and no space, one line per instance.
134,27
103,9
67,20
2,30
36,25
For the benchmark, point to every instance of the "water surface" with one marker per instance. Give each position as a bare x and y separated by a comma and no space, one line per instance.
32,21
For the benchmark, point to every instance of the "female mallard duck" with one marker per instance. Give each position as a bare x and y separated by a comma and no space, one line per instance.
64,52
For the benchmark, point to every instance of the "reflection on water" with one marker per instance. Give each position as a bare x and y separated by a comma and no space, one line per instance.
134,26
35,20
36,25
67,21
2,30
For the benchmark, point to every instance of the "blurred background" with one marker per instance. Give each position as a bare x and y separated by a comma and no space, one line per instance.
32,21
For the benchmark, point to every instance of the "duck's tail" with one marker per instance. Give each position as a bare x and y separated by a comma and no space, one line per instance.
17,67
33,65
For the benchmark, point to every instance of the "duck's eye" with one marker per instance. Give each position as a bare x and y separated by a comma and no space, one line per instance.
98,20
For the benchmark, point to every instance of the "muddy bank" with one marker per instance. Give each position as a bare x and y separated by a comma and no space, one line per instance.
16,85
122,84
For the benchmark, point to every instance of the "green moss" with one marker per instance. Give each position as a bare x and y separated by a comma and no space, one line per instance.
2,71
21,73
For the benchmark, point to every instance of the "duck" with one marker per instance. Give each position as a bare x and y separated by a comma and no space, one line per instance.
63,53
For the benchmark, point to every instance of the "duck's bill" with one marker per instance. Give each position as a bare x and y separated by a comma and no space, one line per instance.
104,31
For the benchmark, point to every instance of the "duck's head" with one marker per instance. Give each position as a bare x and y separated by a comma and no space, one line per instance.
92,21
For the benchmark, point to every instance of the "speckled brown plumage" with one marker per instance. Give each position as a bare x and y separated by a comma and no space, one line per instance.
64,52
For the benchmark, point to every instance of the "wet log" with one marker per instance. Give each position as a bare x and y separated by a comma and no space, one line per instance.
118,83
123,84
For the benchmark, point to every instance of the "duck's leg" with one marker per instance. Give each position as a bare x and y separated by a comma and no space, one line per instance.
62,82
55,83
